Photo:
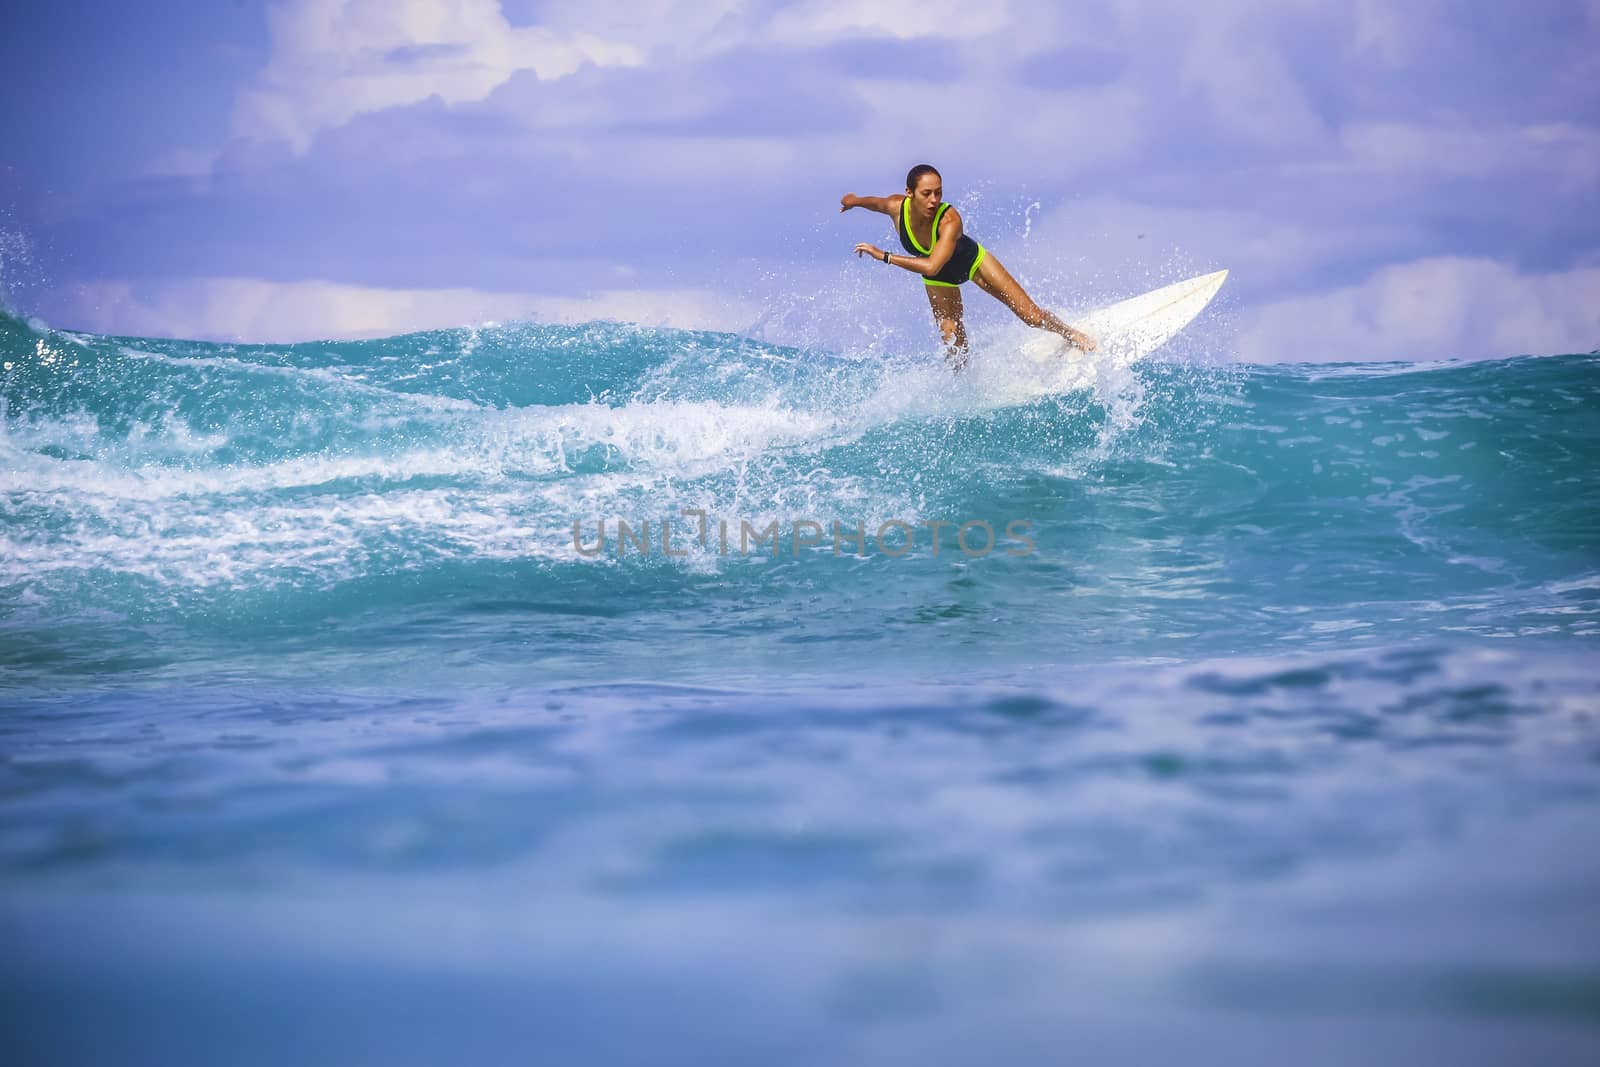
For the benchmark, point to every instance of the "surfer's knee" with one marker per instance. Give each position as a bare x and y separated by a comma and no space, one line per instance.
949,329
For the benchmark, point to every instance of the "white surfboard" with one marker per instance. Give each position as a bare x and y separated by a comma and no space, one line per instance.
1130,330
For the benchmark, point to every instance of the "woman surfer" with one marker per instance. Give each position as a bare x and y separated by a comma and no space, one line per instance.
938,249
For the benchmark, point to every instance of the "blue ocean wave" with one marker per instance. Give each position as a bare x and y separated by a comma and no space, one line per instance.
433,475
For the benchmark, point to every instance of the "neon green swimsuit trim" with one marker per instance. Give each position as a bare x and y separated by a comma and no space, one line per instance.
905,210
970,274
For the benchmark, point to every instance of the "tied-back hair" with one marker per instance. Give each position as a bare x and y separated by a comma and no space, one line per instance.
915,174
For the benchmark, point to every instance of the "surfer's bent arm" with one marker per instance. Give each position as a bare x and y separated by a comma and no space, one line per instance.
950,231
929,265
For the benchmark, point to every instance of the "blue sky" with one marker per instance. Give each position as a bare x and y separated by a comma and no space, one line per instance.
1385,179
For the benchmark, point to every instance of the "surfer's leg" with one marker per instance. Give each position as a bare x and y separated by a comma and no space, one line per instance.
946,303
995,280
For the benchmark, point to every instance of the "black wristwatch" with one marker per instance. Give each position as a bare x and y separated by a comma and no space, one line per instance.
886,257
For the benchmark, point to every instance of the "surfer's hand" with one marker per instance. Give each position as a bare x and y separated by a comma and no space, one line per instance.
1084,341
847,201
864,249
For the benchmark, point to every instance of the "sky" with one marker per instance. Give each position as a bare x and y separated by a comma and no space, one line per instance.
1385,179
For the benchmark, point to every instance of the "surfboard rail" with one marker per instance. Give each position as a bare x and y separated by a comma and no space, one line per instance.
1132,329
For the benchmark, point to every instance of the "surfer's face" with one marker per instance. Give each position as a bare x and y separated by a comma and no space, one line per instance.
927,195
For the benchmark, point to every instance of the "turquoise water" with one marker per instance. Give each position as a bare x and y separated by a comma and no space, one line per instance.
1271,724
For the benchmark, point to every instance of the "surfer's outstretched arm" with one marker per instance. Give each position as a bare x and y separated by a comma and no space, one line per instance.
883,205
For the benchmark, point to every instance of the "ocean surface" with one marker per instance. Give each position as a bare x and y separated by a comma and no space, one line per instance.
1240,714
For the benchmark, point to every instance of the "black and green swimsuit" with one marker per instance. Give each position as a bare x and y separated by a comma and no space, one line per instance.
963,263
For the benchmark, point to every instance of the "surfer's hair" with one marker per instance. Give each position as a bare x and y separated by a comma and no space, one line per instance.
916,173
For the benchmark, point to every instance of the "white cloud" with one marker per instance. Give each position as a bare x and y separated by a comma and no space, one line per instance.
1234,61
677,27
697,29
1566,153
247,309
335,59
1442,308
824,21
1396,33
1046,135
